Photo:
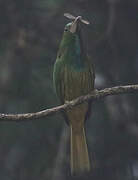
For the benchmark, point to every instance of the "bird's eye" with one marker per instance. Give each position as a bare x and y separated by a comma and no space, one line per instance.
66,29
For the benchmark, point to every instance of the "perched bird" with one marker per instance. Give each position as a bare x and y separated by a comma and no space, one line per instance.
73,76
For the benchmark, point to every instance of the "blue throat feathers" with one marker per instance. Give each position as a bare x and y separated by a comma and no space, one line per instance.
75,55
79,57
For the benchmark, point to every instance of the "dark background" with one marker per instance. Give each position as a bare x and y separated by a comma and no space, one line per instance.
30,33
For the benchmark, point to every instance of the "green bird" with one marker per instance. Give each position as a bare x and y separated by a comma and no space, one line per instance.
73,76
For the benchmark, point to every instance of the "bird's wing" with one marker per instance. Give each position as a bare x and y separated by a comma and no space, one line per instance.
92,79
91,69
58,75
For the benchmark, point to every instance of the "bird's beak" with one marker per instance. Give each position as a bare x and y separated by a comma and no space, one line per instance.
74,24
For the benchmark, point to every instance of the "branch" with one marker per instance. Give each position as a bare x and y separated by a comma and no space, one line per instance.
95,95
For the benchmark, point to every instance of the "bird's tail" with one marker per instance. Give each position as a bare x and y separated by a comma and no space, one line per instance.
80,163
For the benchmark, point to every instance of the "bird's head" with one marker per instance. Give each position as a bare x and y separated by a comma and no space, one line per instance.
72,35
74,26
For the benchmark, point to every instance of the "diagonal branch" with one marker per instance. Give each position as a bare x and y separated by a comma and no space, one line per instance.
95,95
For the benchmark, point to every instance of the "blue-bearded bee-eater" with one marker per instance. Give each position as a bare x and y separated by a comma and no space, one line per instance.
74,76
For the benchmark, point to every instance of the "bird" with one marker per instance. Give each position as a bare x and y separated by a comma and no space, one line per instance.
74,76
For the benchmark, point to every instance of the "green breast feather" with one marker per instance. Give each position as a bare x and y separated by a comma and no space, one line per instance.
71,83
73,74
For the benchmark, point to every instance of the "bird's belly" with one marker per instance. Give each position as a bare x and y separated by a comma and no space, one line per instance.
76,84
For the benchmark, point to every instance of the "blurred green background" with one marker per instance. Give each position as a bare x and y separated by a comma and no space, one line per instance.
30,33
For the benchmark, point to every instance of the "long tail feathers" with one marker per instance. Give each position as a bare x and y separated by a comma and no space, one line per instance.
80,163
